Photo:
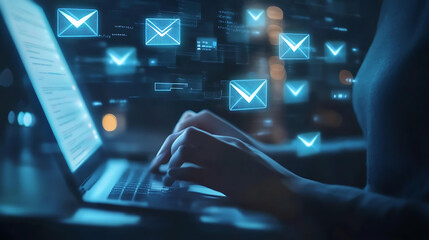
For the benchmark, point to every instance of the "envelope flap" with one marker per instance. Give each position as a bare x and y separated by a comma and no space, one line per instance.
248,94
296,84
255,13
73,22
120,51
77,14
294,38
309,138
162,25
248,86
335,44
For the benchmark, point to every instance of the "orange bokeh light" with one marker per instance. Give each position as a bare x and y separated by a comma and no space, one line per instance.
110,122
274,13
277,72
346,77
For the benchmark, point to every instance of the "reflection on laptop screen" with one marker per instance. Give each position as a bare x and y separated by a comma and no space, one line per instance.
52,80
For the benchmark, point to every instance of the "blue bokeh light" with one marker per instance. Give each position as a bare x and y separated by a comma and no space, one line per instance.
28,119
20,118
11,117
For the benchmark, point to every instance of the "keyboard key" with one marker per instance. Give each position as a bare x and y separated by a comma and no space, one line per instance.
114,196
130,185
140,197
127,196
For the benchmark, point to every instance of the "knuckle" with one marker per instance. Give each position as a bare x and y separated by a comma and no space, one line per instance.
185,115
170,138
205,112
190,131
188,112
184,150
179,126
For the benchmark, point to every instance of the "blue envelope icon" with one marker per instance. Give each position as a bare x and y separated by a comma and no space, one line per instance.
255,17
162,32
121,60
294,46
248,94
335,52
296,92
308,144
72,22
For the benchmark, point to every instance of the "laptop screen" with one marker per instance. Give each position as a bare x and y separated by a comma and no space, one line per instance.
52,80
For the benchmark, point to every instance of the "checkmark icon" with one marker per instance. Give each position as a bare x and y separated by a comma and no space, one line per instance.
292,45
77,22
120,61
246,97
249,94
255,17
333,50
308,143
74,22
295,92
162,31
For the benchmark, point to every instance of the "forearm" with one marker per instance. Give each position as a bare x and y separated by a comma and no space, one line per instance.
343,167
359,214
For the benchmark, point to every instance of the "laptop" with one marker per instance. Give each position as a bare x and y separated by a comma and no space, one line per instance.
92,176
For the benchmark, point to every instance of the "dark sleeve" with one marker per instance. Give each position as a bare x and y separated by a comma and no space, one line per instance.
351,213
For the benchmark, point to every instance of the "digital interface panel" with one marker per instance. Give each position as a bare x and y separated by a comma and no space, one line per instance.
288,63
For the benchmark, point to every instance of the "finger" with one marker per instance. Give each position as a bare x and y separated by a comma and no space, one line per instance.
201,120
188,136
156,164
164,153
189,174
197,147
211,123
194,137
232,141
189,154
185,116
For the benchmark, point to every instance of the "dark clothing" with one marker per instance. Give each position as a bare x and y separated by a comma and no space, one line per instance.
391,100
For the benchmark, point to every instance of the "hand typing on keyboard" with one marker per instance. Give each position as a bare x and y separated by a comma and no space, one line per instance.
222,163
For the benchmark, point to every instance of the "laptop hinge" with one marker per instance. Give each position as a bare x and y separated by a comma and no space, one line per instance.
92,179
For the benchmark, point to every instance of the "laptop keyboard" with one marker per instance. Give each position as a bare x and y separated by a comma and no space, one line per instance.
135,185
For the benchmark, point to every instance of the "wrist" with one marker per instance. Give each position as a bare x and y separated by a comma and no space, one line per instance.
276,196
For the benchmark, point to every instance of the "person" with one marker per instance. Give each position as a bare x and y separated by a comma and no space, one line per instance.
391,101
